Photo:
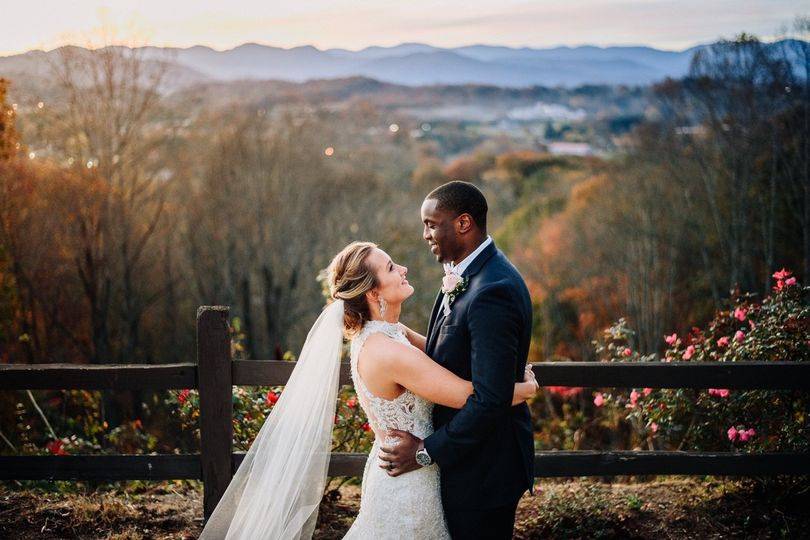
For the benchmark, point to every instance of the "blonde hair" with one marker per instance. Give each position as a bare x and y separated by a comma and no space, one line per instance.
350,277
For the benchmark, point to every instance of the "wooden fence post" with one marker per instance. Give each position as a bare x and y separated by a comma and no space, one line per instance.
216,406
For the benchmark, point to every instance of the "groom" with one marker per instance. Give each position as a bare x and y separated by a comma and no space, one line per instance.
480,330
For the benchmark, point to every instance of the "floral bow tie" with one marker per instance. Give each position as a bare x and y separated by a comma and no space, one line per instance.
452,285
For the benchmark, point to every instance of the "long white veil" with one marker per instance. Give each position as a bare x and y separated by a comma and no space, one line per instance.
275,492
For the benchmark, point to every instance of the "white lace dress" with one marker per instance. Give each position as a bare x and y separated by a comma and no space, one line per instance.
405,506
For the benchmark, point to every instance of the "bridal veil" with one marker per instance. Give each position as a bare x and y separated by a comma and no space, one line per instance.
275,492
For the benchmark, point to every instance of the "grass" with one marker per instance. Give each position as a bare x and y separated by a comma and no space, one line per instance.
708,508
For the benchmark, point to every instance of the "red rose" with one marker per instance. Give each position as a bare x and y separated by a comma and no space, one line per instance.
56,447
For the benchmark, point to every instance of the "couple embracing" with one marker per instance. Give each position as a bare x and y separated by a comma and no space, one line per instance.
453,450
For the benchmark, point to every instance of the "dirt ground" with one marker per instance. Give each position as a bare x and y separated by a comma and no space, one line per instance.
671,508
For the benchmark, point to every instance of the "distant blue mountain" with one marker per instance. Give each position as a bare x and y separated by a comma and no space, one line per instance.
413,64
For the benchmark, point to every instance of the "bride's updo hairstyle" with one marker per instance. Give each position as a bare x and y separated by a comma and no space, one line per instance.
349,279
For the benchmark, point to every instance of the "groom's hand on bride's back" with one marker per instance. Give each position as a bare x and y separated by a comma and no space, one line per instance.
400,458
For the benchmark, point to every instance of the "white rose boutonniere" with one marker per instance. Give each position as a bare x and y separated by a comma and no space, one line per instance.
452,286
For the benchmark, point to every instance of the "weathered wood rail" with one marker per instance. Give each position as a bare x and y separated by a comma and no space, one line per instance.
214,374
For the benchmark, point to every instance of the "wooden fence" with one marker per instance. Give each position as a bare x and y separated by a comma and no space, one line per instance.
214,374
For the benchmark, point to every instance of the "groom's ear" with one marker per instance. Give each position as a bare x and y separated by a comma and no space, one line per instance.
464,223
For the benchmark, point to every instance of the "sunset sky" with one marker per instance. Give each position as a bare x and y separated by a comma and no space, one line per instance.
668,24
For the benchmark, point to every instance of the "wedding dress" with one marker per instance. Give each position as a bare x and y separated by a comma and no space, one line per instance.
405,506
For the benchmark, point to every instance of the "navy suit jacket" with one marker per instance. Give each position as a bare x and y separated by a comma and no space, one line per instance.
485,450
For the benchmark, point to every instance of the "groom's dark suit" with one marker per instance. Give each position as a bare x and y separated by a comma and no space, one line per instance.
485,450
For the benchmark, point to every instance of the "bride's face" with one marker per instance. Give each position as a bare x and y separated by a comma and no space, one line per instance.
391,277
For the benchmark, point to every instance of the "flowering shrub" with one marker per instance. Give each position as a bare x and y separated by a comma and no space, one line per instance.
77,412
252,405
777,329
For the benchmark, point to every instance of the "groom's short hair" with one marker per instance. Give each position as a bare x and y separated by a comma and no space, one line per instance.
462,198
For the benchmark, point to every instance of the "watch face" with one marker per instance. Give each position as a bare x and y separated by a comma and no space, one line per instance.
422,459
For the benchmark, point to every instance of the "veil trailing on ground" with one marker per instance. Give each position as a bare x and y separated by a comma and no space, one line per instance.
277,488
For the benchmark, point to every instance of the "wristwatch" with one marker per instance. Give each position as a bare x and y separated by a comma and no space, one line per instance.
423,458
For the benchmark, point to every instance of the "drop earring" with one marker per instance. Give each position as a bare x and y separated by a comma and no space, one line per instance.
383,305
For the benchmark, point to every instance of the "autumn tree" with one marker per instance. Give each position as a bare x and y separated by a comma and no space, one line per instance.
107,123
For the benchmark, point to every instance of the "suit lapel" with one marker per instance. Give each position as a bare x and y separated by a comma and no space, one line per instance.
433,324
434,311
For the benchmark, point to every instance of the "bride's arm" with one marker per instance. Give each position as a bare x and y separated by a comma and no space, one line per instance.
416,339
417,372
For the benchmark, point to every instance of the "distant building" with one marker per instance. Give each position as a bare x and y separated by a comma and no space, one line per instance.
547,111
570,148
690,130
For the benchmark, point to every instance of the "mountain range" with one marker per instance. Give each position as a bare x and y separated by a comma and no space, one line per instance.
412,64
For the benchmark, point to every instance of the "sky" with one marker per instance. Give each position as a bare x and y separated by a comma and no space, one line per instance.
665,24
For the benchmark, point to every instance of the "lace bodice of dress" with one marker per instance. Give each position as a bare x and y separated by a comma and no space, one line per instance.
405,506
406,412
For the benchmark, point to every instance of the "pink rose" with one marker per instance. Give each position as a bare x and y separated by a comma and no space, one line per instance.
598,399
722,342
671,339
746,434
732,433
739,336
634,397
627,352
449,282
783,278
647,391
719,392
653,427
690,350
740,313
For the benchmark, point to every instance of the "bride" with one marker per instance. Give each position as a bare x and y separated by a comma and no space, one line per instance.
277,488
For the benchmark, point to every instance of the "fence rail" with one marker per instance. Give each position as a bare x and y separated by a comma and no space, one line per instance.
214,374
547,464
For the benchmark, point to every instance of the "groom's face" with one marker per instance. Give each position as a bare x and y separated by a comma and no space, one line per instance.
439,231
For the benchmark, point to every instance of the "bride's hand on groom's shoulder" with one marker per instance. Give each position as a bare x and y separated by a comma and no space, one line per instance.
527,388
528,376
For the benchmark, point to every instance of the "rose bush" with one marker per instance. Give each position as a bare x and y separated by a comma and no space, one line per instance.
775,329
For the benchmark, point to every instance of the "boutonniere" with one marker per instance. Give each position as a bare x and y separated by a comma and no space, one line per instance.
453,285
